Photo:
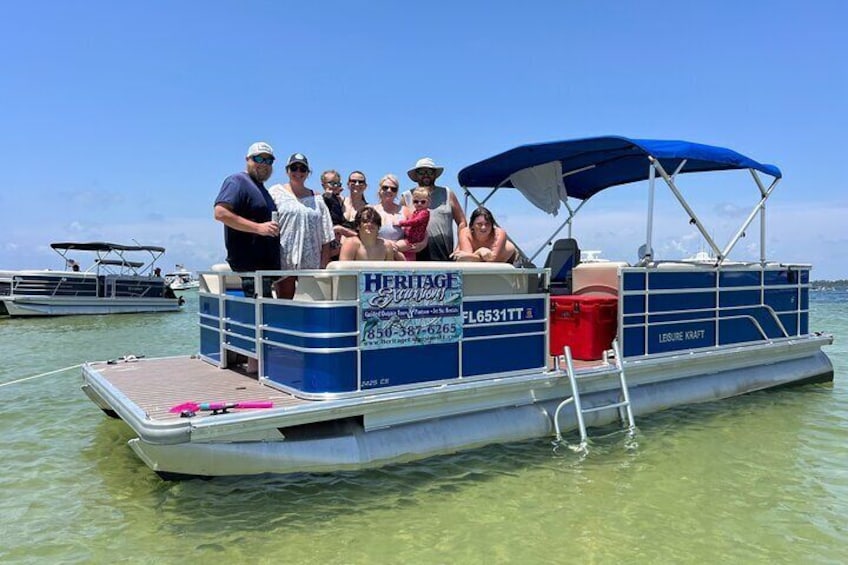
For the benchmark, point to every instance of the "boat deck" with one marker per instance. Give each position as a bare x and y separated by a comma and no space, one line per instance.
157,385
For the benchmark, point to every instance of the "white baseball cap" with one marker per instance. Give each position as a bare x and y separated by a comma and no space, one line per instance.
259,148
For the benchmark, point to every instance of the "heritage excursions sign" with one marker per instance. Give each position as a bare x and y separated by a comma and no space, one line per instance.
403,308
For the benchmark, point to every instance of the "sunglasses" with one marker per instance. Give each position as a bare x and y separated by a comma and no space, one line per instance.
260,160
391,188
297,168
334,184
356,181
419,202
422,172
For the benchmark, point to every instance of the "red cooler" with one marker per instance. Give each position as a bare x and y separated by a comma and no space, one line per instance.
587,324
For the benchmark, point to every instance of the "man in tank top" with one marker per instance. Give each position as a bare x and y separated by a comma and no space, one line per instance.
444,211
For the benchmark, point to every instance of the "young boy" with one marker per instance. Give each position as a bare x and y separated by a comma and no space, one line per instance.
415,227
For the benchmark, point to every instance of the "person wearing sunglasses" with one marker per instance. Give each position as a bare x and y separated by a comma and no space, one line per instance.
245,208
306,229
415,226
331,182
444,207
367,245
391,213
355,202
484,241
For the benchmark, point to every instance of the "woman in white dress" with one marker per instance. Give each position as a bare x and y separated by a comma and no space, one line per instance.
306,229
391,212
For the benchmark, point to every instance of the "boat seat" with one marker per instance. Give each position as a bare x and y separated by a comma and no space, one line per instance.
478,279
563,258
314,287
211,282
597,278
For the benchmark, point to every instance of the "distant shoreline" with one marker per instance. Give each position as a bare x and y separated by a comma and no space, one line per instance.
840,284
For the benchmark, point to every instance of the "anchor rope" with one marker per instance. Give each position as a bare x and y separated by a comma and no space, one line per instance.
16,381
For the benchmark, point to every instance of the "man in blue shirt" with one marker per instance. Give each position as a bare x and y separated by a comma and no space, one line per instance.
245,208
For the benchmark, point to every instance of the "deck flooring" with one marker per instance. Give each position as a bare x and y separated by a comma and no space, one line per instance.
157,385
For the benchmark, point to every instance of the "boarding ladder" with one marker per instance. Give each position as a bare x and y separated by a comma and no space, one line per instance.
625,410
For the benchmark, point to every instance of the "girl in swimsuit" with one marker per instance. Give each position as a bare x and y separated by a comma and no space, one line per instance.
483,240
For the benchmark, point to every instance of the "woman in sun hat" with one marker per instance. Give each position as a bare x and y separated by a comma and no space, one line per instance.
444,211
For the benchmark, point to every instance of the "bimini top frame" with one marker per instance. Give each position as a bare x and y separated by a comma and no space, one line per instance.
547,174
112,255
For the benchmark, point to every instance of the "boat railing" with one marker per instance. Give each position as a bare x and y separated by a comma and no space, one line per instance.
329,340
681,307
359,328
761,333
132,286
81,284
45,283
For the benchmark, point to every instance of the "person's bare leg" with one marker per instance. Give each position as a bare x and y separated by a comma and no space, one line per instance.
285,287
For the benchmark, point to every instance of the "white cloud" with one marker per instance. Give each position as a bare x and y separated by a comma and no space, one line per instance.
729,210
102,199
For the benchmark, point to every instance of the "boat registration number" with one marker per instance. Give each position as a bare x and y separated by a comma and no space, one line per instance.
488,315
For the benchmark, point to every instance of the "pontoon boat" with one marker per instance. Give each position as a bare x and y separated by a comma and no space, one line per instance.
116,282
374,363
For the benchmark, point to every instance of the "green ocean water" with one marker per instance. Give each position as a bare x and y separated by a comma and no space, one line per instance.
757,479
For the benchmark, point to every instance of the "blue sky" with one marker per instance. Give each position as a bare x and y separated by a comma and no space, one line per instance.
120,120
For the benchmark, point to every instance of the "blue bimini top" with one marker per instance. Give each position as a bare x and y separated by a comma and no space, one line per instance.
593,164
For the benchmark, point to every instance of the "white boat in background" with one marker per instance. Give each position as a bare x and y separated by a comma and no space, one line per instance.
373,363
592,256
116,282
702,257
182,279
